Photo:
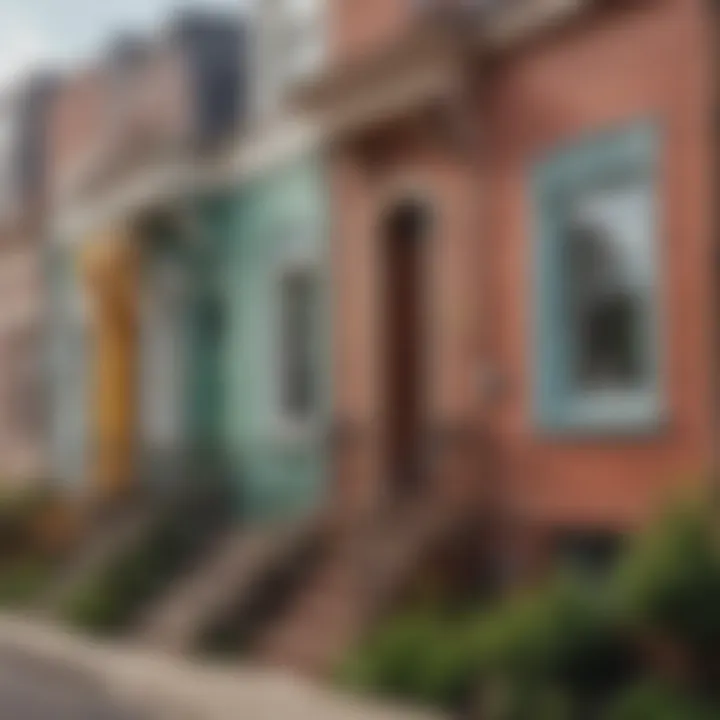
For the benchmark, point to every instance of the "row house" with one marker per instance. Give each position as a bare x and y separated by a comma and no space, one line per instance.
130,138
275,278
524,263
524,293
190,267
23,165
450,282
271,356
191,284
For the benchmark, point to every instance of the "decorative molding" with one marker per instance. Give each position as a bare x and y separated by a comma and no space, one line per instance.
171,182
421,69
515,22
425,61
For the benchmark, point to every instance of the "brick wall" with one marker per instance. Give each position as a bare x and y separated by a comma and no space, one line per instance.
648,63
614,67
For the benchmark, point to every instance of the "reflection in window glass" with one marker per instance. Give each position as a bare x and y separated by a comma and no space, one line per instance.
603,260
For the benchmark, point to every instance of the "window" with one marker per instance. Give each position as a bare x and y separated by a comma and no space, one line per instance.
305,38
598,345
298,395
590,554
291,46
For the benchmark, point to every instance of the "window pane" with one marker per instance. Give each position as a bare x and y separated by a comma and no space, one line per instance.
298,383
605,250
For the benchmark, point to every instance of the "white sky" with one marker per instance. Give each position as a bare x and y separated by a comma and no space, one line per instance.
35,32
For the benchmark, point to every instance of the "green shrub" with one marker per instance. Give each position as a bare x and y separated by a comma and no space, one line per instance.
106,602
424,656
573,648
510,701
669,584
563,641
22,581
555,648
183,528
109,601
652,701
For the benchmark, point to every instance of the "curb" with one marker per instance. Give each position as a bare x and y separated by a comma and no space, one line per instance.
165,687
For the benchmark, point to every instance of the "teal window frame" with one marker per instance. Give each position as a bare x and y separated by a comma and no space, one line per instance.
631,154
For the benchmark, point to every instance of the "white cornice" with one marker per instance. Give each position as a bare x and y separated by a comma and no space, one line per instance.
259,151
265,149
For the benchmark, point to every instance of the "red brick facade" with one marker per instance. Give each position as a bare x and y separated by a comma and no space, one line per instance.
608,68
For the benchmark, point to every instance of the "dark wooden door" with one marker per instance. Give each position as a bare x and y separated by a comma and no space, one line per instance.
404,344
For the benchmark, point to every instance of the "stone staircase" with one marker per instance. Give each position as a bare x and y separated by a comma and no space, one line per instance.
222,584
363,571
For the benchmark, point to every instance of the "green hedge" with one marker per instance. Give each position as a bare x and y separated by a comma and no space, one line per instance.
555,650
22,581
573,649
425,655
654,701
669,585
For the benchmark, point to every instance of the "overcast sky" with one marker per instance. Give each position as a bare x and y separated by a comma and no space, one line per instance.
33,32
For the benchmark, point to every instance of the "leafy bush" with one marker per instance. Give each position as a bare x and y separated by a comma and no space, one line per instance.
575,649
533,701
669,584
22,581
109,601
554,649
651,701
182,530
425,656
564,636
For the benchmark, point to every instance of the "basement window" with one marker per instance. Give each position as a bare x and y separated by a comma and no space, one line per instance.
590,554
598,349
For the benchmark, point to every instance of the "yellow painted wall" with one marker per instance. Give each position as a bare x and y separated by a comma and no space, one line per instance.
110,269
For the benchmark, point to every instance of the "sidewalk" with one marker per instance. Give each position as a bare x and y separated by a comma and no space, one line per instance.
169,688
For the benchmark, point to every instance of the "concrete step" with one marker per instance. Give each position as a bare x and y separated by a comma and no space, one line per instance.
312,648
360,575
227,576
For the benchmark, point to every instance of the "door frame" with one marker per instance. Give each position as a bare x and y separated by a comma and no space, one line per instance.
424,201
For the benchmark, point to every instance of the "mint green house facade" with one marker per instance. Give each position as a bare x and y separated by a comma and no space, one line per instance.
274,363
233,361
183,308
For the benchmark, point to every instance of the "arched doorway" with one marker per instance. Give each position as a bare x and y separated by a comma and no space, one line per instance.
405,231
